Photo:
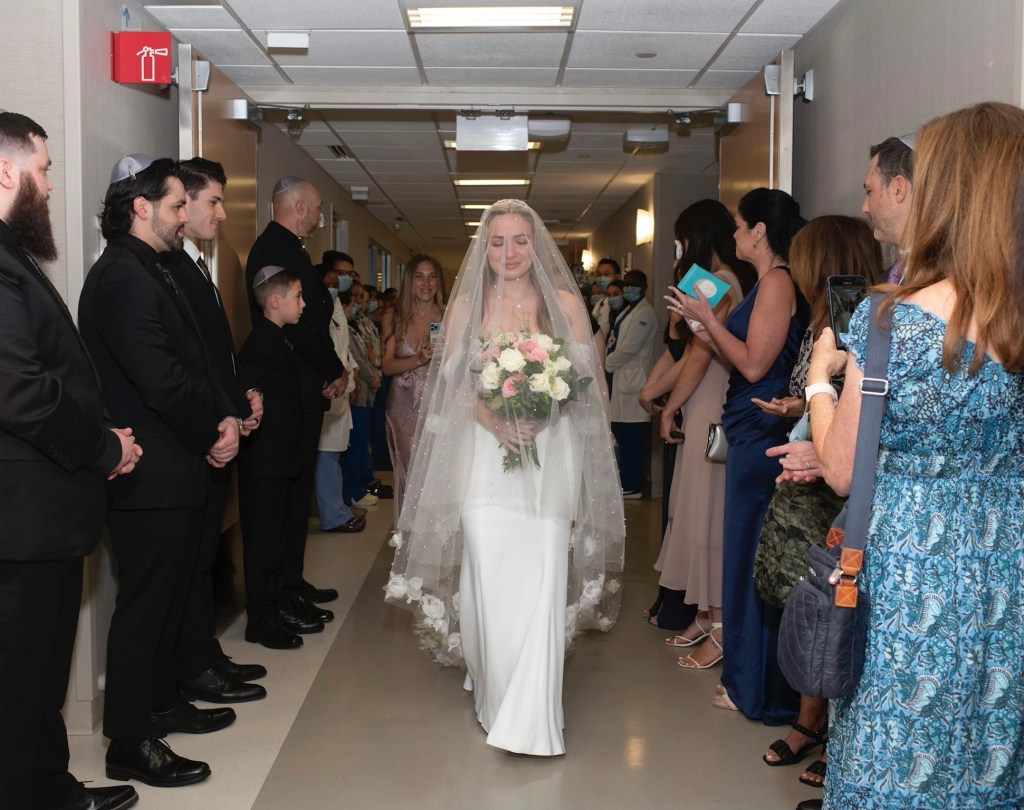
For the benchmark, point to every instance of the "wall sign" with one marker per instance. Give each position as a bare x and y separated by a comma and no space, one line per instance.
140,57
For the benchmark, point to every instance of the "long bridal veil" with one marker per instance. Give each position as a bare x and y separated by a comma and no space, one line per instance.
546,367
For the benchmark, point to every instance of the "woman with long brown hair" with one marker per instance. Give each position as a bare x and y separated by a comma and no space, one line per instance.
937,718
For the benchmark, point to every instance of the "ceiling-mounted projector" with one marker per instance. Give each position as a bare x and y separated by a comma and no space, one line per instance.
648,139
549,129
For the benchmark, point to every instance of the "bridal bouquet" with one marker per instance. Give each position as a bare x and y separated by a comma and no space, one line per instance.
522,377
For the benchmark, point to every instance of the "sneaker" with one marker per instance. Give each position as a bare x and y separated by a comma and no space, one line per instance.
631,495
369,499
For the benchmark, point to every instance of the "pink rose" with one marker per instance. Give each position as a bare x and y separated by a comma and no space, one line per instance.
489,353
537,355
508,388
526,345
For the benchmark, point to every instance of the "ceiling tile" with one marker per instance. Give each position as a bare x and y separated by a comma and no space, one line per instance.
252,74
179,16
493,77
596,77
350,48
752,51
353,76
223,47
670,15
724,79
491,50
397,153
613,50
307,14
788,16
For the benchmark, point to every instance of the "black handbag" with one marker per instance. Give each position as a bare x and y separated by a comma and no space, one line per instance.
824,623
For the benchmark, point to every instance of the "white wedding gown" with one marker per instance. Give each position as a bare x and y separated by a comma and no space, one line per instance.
512,592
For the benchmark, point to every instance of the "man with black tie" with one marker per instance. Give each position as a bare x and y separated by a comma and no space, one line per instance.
297,208
204,671
56,449
156,375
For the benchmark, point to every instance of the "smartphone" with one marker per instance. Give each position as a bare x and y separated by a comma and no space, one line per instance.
844,293
435,333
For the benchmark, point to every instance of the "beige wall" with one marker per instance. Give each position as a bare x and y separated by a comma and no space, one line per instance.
884,68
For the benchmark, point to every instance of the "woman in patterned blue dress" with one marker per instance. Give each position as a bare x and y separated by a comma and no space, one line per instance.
760,339
936,721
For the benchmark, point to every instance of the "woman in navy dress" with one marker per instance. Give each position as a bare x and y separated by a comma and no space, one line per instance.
761,339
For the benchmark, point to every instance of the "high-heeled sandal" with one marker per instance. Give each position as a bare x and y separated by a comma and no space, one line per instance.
689,662
787,756
818,768
683,641
723,701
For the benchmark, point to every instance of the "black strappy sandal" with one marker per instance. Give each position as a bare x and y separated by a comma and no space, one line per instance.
818,769
786,755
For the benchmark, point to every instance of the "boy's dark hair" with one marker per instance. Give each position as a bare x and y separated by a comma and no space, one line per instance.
332,256
279,283
197,173
16,131
894,158
150,183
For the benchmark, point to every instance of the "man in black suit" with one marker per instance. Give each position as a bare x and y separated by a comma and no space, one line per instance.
56,449
297,208
204,671
156,375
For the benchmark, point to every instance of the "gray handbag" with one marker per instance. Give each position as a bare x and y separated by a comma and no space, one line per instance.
718,446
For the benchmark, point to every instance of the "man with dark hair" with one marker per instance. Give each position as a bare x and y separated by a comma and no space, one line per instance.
605,273
56,449
204,671
888,190
156,374
297,206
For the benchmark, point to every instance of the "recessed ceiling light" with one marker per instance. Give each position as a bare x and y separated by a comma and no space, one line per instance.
503,182
533,146
490,16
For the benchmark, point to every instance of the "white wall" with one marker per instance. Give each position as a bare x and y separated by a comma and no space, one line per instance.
884,68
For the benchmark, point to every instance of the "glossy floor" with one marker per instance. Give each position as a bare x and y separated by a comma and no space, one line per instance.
359,717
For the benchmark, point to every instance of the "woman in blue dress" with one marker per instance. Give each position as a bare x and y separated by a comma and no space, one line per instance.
761,340
936,720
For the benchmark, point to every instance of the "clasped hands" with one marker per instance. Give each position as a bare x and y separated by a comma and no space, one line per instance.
130,453
516,434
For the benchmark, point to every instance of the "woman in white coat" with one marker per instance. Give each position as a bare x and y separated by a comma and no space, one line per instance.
631,347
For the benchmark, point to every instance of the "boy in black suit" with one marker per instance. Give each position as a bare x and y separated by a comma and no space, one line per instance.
271,466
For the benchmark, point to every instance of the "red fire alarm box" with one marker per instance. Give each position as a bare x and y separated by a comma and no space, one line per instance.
140,57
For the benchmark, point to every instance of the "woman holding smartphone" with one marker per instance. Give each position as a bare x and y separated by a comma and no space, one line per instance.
408,348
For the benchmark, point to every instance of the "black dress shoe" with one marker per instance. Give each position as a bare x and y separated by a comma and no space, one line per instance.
117,797
154,763
240,672
313,594
269,632
307,610
297,624
351,526
213,687
187,719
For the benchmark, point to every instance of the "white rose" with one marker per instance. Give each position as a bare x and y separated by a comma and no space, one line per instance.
454,641
613,586
433,608
511,359
563,364
544,341
396,588
559,389
415,589
490,377
434,423
455,603
539,383
604,624
592,591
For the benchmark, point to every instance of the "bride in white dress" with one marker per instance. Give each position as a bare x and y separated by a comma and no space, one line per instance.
511,537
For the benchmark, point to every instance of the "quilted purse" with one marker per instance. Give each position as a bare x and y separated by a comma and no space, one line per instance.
824,623
718,446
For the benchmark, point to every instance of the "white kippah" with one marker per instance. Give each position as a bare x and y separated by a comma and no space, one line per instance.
909,140
264,274
129,166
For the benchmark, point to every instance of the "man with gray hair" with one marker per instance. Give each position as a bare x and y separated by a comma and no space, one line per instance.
297,206
888,189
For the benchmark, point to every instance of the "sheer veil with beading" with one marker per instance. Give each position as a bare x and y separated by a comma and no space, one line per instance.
428,540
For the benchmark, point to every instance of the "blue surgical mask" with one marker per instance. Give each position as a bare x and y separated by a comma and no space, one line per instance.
596,298
344,283
616,302
632,294
372,306
603,281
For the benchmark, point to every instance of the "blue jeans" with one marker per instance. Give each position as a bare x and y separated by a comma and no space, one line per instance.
356,460
630,438
329,502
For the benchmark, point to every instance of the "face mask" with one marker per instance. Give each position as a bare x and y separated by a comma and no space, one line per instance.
355,310
595,299
632,294
372,306
679,250
616,303
334,293
344,283
603,282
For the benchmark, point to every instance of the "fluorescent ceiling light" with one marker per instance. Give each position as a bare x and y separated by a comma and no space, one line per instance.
533,146
472,223
288,39
504,182
491,16
475,206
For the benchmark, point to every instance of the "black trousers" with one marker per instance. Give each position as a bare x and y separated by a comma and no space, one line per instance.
297,519
197,649
265,505
39,604
156,554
